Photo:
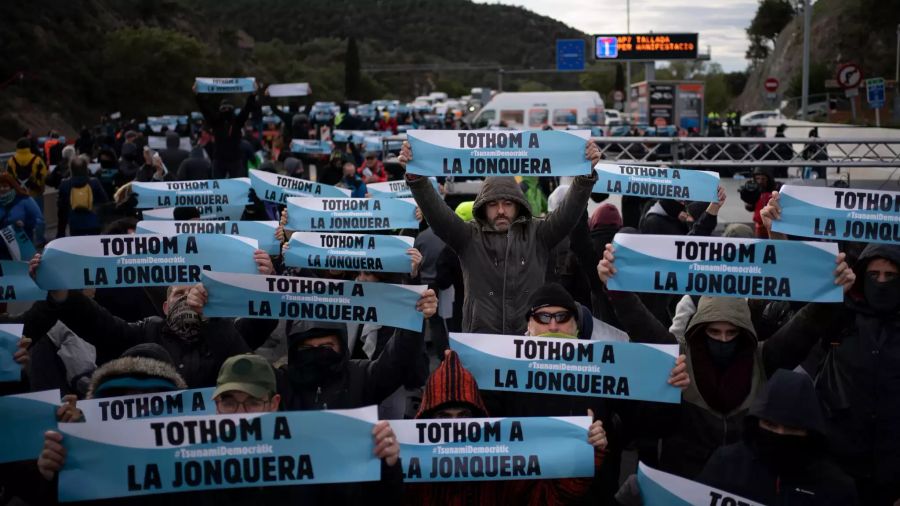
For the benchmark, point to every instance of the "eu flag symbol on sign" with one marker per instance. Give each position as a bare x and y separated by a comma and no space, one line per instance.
570,54
607,47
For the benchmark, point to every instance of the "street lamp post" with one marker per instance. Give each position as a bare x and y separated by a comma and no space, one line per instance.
804,100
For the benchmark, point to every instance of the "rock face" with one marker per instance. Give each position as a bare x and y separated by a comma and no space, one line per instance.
786,60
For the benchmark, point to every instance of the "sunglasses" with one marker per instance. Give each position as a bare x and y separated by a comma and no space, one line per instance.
545,318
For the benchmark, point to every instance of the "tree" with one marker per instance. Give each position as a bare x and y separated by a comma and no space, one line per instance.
758,51
771,17
351,71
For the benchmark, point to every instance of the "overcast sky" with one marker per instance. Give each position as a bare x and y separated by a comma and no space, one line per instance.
720,23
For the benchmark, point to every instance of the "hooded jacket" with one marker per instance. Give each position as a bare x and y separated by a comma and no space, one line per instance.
355,382
859,382
699,427
501,269
744,469
142,367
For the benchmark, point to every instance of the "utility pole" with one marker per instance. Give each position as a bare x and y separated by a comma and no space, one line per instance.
897,79
804,100
627,63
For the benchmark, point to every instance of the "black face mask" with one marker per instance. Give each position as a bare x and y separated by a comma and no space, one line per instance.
313,366
722,353
882,296
783,454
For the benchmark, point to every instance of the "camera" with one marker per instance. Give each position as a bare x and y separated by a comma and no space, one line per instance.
749,191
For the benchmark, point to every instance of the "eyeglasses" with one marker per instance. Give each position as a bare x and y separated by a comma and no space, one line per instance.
545,318
250,404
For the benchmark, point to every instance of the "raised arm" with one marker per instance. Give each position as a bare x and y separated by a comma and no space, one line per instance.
445,223
559,223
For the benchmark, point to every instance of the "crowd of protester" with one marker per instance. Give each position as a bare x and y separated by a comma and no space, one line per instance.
781,403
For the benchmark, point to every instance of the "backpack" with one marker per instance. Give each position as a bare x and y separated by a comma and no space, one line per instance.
81,198
24,172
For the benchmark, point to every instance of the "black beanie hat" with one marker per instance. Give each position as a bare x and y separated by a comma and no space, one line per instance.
150,350
552,294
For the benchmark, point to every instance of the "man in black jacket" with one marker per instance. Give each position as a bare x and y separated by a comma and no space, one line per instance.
173,155
227,127
781,459
321,375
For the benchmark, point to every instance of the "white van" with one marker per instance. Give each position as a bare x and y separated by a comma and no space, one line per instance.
534,110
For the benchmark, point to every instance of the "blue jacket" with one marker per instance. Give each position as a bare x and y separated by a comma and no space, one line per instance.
23,209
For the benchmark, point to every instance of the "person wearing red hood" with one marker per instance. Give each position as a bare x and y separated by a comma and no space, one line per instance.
452,392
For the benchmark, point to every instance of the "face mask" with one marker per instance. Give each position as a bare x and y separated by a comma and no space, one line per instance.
182,320
783,454
7,197
721,353
311,366
883,297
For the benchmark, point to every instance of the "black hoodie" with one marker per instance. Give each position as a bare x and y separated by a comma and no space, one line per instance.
747,470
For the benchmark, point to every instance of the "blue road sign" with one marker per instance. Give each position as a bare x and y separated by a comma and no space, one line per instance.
607,47
570,54
875,92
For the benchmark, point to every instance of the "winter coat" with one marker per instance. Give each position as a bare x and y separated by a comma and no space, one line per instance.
501,269
740,468
691,435
197,360
80,219
356,186
23,209
361,382
173,155
859,382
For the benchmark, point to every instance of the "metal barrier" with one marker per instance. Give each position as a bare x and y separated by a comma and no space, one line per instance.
741,152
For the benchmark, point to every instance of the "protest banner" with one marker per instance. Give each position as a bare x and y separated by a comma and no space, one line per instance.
17,243
839,214
10,333
658,487
180,454
551,365
395,189
288,90
158,142
210,192
311,146
354,136
346,214
277,188
260,296
197,401
261,231
726,267
483,449
211,213
141,260
498,153
657,182
16,284
25,419
349,252
225,84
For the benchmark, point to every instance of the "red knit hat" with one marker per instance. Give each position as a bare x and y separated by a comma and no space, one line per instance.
605,214
451,383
